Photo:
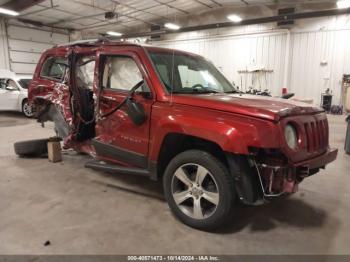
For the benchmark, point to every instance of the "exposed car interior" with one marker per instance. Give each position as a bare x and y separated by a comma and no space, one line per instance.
84,78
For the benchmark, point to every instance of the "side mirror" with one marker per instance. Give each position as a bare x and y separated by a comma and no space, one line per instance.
136,112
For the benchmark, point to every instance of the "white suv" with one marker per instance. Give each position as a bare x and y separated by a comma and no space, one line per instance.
14,92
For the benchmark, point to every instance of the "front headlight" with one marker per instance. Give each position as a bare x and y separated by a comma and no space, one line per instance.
291,136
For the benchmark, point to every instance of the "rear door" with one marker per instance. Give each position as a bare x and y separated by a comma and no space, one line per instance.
53,84
119,139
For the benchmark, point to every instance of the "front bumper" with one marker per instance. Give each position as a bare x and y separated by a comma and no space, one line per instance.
278,180
319,161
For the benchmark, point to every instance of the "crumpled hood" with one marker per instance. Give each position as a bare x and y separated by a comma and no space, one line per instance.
251,105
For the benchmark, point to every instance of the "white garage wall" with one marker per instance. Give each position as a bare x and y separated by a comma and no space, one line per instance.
314,59
233,53
22,46
4,60
319,61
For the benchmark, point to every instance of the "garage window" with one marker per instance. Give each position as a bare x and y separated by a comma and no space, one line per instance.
54,68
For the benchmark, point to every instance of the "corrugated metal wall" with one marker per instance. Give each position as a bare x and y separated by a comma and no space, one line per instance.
319,55
319,60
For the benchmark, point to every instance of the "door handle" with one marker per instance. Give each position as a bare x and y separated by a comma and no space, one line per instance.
107,98
108,101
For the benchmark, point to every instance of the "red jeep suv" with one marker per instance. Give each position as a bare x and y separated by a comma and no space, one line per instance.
172,115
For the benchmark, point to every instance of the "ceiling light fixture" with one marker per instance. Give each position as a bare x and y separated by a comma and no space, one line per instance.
112,33
8,12
235,18
172,26
343,4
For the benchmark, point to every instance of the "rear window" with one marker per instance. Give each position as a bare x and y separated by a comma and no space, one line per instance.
54,68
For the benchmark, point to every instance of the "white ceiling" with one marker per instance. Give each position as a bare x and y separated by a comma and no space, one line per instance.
88,15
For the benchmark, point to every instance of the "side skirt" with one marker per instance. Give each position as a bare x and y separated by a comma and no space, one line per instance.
120,154
102,166
144,166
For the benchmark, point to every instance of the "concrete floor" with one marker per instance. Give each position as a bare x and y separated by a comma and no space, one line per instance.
81,211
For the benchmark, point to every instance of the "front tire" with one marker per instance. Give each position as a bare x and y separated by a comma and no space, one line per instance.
27,109
199,190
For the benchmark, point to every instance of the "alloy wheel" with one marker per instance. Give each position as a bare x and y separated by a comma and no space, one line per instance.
27,109
195,191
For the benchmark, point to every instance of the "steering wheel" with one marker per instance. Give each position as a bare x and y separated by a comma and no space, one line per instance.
198,85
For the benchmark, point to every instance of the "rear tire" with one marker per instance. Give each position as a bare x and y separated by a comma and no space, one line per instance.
31,148
27,109
199,190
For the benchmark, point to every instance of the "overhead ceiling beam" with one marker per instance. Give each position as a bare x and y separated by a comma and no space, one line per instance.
202,3
38,11
260,20
104,24
20,5
172,7
40,24
126,15
138,9
104,9
271,19
119,23
73,20
215,2
79,18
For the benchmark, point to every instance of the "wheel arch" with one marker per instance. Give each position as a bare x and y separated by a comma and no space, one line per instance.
174,143
23,100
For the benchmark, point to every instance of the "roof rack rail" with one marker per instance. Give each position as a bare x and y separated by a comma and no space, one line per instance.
84,42
93,42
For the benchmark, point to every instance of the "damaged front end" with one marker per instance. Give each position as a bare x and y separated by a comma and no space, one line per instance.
279,171
276,175
266,174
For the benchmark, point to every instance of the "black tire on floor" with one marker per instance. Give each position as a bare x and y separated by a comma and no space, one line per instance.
225,189
34,148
